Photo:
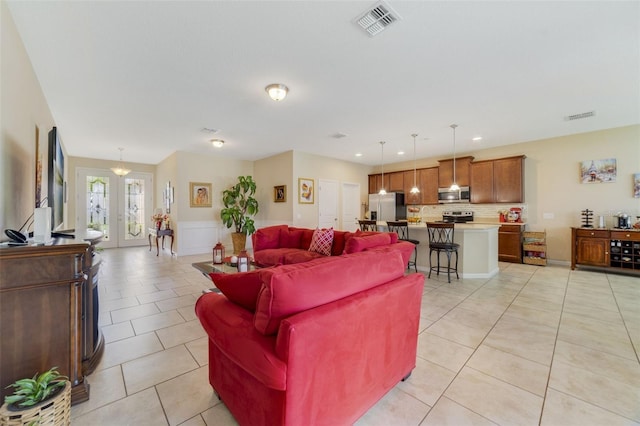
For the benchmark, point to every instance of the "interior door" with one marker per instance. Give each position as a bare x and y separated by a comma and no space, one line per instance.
350,206
328,203
119,207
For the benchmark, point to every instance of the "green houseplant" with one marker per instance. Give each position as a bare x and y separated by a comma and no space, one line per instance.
29,392
239,206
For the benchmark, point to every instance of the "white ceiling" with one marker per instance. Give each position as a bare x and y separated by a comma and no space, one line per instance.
148,76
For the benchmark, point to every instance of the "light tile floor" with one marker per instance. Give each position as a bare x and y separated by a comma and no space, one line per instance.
531,346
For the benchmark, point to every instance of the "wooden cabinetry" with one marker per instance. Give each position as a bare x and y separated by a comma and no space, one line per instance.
396,182
625,250
47,313
510,243
427,181
375,183
590,247
497,181
445,172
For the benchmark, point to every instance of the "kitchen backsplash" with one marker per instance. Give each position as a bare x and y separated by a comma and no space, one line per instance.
486,211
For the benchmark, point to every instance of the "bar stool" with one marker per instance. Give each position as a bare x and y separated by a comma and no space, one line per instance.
401,228
441,240
368,225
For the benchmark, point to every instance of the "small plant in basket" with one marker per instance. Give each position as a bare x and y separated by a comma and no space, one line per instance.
29,392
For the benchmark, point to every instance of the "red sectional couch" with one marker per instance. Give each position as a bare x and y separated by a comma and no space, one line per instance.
312,343
284,245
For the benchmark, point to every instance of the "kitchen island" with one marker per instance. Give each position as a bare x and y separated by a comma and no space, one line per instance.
478,252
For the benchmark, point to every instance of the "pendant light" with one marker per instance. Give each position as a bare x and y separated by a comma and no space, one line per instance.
415,189
382,190
120,170
454,185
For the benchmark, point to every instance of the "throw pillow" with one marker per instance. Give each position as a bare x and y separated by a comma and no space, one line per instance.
322,241
241,288
358,244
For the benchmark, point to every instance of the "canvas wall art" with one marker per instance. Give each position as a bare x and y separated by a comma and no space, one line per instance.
598,171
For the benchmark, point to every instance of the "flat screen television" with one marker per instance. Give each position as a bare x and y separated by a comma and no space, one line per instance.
56,195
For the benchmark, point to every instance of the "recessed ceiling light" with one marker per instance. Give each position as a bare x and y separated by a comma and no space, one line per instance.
358,154
218,143
477,138
400,152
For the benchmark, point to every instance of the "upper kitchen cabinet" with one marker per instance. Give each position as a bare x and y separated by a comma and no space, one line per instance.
497,181
427,182
396,182
445,172
375,183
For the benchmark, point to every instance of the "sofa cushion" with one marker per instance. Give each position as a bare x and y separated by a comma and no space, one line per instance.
290,238
274,256
357,244
290,289
305,238
339,238
268,237
241,288
299,256
322,241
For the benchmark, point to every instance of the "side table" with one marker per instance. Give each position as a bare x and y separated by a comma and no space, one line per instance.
157,233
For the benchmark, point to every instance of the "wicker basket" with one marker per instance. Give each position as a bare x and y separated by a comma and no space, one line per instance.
52,412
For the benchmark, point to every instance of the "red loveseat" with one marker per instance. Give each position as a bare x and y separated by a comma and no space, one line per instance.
284,245
313,343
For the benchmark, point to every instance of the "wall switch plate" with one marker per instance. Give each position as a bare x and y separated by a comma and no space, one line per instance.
548,215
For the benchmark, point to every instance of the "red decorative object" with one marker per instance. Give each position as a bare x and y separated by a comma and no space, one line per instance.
218,253
243,261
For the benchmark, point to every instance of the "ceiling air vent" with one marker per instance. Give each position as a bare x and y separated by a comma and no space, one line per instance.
580,116
377,19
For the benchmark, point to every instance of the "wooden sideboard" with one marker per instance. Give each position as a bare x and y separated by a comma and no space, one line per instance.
49,312
618,250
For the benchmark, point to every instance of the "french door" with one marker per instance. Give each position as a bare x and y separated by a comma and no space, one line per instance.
118,206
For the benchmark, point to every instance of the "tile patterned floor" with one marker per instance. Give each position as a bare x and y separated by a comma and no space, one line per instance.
531,346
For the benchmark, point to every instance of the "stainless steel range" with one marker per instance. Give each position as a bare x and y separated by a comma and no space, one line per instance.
457,216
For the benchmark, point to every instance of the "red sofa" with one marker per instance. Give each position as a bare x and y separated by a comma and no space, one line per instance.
313,343
284,245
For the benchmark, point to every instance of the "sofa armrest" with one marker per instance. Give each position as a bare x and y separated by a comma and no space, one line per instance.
334,350
230,328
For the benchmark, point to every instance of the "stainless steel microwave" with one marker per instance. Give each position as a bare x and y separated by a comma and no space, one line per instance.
446,195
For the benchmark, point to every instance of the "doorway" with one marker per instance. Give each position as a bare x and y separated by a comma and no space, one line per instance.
350,206
118,207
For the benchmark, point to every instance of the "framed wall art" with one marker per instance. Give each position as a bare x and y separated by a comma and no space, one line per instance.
636,185
280,193
199,194
306,188
598,171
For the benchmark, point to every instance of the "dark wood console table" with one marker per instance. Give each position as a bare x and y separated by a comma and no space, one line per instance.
49,312
157,233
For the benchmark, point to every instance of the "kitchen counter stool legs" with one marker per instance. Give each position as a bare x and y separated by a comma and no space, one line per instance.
441,240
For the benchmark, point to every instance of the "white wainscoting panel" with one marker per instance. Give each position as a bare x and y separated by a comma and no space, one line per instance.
198,237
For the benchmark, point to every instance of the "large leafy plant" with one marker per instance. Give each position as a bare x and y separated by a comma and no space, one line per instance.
28,392
239,206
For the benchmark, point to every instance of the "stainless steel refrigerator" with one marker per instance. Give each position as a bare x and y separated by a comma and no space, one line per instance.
389,206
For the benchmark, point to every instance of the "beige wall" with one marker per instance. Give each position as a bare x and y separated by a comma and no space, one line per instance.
270,172
25,120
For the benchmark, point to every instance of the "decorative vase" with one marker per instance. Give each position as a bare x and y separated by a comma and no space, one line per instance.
55,411
239,241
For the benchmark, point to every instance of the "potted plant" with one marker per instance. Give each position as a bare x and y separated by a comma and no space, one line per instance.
43,399
239,206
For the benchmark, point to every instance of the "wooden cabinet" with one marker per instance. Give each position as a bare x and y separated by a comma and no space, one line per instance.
445,172
396,182
508,180
590,247
509,243
375,183
625,250
427,181
409,198
481,182
44,319
497,181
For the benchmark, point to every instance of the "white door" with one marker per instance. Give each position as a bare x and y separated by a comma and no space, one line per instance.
350,206
119,207
328,203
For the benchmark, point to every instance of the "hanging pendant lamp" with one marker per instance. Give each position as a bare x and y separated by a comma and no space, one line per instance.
415,189
382,190
120,170
454,185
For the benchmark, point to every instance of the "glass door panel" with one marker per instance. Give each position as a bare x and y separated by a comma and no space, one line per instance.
134,209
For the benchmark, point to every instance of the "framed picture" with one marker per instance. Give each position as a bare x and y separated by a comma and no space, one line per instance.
305,191
598,171
55,179
280,193
199,194
636,185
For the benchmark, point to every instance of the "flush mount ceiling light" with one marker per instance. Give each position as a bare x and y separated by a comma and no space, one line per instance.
414,189
454,185
218,143
120,170
277,91
382,190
